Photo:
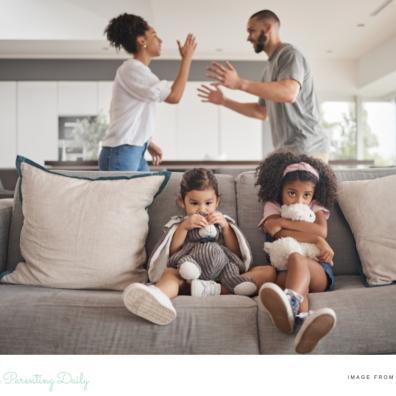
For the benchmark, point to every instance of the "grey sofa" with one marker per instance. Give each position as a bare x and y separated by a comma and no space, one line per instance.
38,320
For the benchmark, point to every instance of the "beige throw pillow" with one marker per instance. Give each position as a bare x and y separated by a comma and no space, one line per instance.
83,234
369,208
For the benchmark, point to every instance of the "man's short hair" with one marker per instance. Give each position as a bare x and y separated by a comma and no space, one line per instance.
266,16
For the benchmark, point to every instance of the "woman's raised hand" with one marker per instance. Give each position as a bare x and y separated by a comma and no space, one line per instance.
211,95
188,48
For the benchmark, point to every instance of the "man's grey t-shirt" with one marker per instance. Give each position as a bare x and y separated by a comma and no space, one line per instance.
294,126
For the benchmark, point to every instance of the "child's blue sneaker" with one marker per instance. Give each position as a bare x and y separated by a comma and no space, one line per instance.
281,306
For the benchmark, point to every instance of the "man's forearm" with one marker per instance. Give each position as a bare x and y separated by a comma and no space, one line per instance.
276,91
253,110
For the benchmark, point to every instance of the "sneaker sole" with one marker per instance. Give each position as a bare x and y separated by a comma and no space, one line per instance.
142,303
313,331
278,308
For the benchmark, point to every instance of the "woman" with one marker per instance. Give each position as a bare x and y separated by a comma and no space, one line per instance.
136,90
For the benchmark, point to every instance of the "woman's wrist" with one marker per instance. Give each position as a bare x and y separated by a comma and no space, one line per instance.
187,59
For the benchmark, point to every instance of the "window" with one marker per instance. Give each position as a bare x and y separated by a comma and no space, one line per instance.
338,119
362,129
379,132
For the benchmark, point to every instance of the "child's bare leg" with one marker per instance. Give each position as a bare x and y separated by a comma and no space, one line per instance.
170,282
303,275
261,274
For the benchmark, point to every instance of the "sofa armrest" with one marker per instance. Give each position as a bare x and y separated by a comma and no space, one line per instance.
5,220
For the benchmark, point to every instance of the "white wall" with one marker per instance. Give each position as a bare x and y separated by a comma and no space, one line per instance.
334,79
376,70
37,120
8,122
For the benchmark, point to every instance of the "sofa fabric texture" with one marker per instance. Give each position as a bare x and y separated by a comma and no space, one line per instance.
40,320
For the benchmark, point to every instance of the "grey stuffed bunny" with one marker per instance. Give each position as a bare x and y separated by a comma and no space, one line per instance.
203,256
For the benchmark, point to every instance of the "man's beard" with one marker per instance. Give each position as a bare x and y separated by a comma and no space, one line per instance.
260,44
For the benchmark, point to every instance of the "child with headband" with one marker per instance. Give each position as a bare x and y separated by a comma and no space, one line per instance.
284,179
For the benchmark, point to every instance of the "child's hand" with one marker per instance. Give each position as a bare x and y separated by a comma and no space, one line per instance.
217,218
272,226
194,221
326,252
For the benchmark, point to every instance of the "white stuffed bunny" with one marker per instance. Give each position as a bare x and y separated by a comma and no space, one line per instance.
280,249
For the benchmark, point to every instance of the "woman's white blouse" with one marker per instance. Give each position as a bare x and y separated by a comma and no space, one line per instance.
136,90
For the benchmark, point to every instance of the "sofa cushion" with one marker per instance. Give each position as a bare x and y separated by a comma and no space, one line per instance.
83,233
250,211
48,321
366,321
368,207
5,219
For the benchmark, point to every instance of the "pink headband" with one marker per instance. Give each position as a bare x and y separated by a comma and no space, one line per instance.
300,166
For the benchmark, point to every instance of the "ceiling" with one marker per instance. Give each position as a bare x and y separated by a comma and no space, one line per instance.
325,29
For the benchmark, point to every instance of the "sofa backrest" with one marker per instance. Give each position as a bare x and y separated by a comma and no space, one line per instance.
238,200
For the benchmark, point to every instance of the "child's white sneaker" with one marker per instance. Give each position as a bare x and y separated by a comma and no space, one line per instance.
205,288
150,303
316,325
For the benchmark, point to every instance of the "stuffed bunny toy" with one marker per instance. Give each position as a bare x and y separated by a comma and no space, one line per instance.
203,257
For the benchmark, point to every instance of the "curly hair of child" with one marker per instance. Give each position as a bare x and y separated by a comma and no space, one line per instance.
270,179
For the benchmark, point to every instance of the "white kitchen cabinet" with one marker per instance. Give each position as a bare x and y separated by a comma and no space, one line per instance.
104,97
8,122
37,127
165,135
76,98
240,136
197,129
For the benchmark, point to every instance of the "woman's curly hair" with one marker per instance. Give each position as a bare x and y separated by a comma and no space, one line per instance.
270,179
123,31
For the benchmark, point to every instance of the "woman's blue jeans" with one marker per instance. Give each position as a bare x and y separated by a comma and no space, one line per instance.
123,158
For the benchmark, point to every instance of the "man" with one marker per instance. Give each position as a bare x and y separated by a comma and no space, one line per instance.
286,92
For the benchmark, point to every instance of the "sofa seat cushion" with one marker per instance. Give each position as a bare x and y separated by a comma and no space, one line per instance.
38,320
366,321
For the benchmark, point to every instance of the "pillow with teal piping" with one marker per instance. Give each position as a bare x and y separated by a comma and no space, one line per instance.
83,233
